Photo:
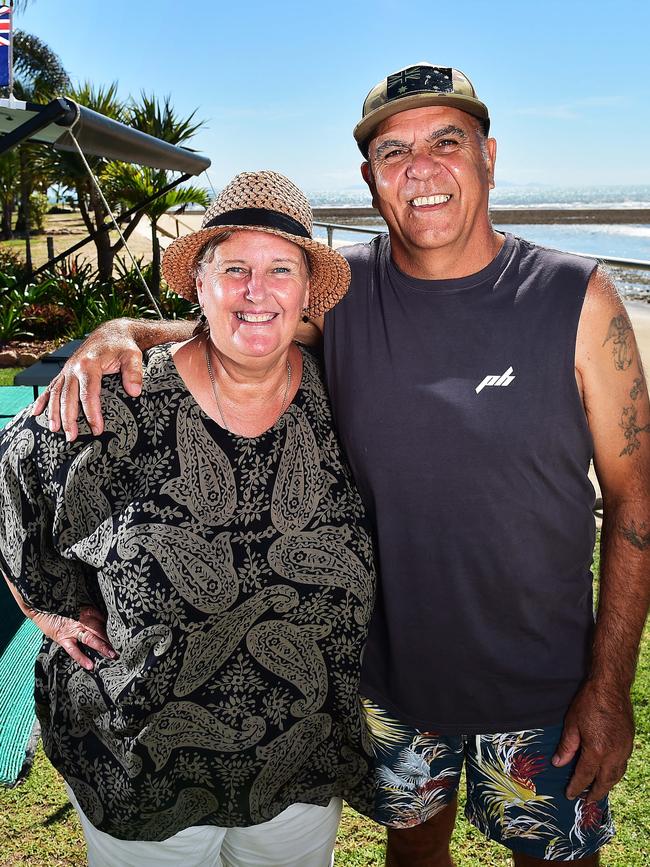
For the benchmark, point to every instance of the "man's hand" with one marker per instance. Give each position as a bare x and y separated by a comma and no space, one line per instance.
114,347
109,349
599,726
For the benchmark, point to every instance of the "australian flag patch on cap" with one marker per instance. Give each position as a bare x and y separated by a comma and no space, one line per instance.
419,79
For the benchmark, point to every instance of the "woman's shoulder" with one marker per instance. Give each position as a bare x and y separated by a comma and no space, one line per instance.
124,417
312,364
314,397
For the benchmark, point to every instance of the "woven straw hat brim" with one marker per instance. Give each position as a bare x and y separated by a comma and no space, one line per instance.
330,272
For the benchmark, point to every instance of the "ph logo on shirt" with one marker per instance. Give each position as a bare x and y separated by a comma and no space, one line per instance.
494,379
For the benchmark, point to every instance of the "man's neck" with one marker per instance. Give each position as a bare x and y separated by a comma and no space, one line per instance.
445,263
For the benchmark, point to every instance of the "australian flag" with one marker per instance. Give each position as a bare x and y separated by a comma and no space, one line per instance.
419,79
5,46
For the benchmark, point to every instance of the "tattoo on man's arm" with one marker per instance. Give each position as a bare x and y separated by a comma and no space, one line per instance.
620,331
639,536
638,387
631,430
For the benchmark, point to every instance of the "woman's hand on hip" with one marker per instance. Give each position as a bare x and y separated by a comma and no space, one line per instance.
76,635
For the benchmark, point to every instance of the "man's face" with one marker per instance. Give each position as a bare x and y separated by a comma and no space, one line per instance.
430,173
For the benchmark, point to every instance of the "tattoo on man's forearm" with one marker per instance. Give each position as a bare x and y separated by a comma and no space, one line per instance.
620,331
638,387
637,536
631,430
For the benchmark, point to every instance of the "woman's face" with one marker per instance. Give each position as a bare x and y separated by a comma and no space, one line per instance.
253,293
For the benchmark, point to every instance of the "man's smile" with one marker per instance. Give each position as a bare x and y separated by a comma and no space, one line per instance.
424,201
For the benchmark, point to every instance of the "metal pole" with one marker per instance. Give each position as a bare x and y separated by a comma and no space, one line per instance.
50,247
330,236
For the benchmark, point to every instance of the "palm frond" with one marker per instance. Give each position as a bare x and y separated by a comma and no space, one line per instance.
385,732
20,6
101,98
39,74
390,780
158,118
413,767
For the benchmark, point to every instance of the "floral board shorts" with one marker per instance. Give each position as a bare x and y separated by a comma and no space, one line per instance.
515,796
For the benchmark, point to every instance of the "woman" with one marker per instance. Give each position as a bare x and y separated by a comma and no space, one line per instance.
216,523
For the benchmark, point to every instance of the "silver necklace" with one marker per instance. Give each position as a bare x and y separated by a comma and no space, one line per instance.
216,394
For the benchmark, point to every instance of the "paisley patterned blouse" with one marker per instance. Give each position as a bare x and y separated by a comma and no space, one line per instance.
237,575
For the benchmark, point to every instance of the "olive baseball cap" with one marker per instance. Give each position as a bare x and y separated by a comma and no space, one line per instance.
416,87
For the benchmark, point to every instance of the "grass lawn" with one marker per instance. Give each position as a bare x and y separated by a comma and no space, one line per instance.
39,827
68,229
7,375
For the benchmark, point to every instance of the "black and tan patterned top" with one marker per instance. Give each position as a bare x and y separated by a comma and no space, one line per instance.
238,580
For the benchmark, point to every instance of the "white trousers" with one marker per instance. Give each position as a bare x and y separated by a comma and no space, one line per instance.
303,835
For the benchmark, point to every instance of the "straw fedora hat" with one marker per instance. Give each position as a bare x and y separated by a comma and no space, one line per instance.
261,202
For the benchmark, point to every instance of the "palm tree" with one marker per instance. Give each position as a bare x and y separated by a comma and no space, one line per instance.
131,184
71,172
159,119
39,76
124,185
9,171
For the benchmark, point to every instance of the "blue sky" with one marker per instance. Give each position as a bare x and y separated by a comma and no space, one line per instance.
280,84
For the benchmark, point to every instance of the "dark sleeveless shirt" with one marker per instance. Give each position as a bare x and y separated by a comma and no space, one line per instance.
457,403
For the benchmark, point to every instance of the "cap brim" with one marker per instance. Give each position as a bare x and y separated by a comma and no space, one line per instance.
328,283
364,129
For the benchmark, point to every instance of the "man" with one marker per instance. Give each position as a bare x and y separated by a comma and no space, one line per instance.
473,375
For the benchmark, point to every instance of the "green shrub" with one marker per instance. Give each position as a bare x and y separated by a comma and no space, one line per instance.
129,284
48,320
84,320
75,279
116,303
11,266
171,305
17,304
175,307
39,207
12,323
70,301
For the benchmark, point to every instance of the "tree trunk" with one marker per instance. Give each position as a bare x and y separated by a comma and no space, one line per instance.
83,210
19,228
102,241
6,232
104,257
25,192
155,260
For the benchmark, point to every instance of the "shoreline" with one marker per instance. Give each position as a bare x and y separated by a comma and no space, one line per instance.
501,215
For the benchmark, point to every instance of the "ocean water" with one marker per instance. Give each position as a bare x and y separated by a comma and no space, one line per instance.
512,196
615,240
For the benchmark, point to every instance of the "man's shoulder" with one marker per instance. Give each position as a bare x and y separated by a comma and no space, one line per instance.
548,257
362,254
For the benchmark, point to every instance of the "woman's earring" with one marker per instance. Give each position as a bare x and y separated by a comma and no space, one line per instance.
305,314
202,318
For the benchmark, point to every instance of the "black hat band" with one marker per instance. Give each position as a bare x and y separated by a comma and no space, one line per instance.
262,217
